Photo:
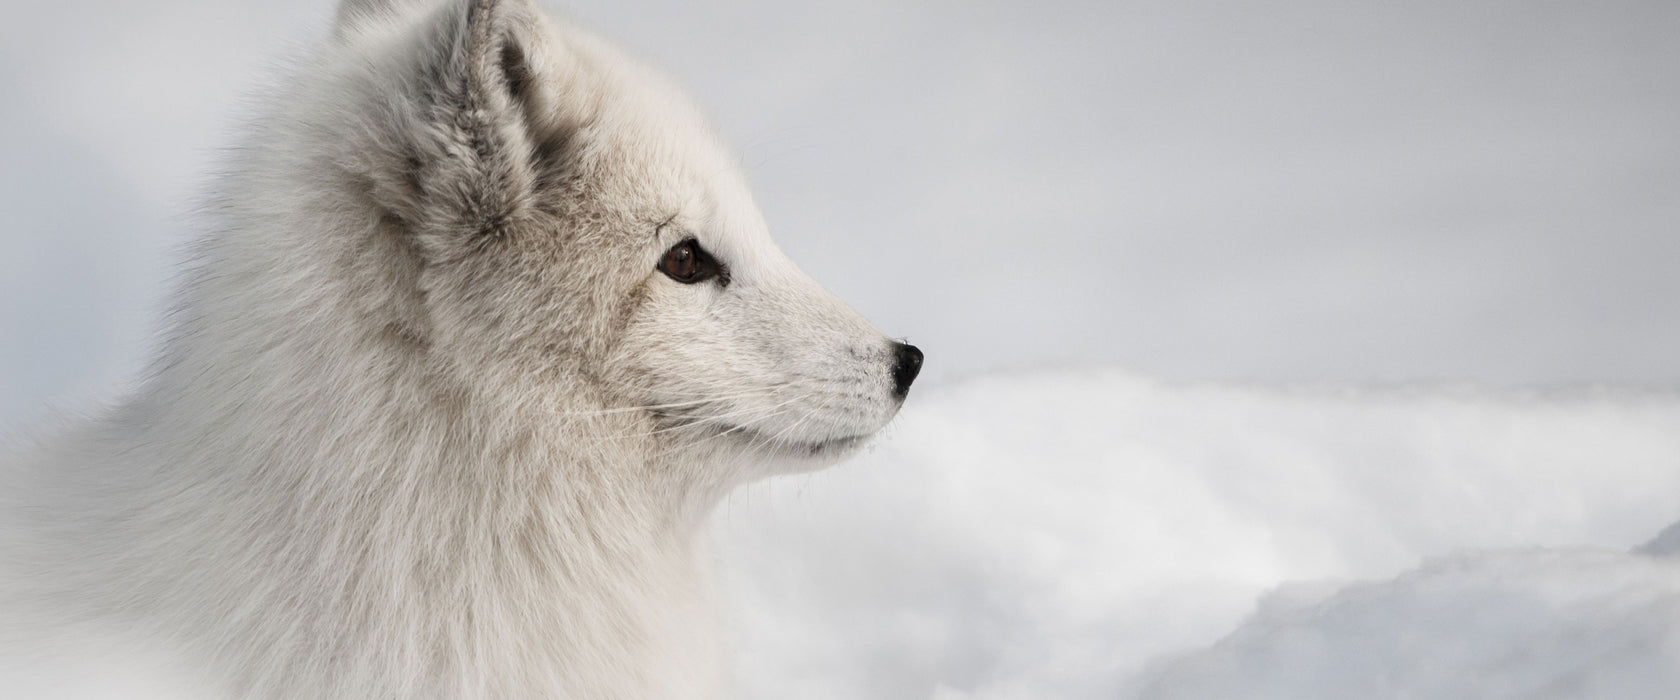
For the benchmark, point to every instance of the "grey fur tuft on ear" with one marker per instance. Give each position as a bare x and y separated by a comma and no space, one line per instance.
469,131
499,42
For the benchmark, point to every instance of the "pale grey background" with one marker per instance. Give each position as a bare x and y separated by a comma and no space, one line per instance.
1484,191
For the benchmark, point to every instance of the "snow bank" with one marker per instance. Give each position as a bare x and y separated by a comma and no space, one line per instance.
1533,624
1082,535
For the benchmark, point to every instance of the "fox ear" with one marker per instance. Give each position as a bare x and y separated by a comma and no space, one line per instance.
472,123
505,48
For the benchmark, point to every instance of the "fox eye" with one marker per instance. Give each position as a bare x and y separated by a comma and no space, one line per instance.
688,263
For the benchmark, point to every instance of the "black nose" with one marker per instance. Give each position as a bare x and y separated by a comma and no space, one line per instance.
909,363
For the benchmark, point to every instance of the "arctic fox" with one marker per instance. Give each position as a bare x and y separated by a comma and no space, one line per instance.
488,323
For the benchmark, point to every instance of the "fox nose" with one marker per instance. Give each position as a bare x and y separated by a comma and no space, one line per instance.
904,372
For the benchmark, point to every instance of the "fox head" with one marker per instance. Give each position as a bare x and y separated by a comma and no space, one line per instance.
546,215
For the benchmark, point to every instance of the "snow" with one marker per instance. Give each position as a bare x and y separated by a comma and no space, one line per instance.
1097,534
1516,624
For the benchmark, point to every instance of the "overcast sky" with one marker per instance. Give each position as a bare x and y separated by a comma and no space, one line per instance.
1482,191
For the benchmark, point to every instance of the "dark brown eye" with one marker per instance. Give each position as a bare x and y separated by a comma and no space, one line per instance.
688,263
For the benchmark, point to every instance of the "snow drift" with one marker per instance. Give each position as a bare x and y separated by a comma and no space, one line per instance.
1520,624
1099,535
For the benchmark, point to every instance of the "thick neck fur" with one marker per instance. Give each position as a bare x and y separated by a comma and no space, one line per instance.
310,494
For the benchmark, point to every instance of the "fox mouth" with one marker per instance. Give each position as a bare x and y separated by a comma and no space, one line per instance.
832,446
708,429
786,446
757,439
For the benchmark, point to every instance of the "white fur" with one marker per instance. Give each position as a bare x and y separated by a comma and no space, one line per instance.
430,423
